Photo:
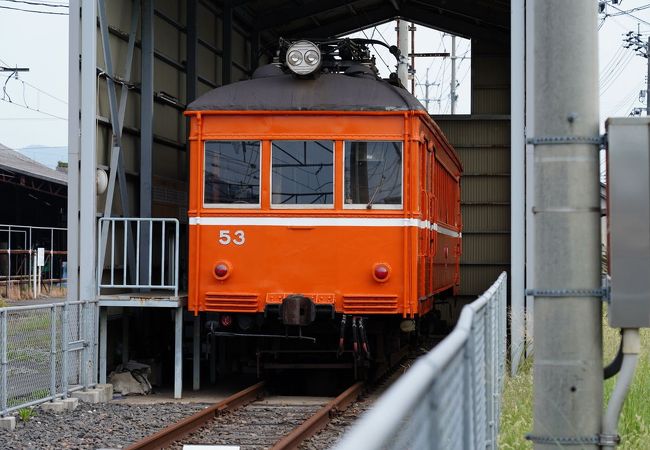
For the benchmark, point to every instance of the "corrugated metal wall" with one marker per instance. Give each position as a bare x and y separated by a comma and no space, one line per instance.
482,140
169,156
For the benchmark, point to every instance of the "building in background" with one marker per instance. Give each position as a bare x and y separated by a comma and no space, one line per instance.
32,194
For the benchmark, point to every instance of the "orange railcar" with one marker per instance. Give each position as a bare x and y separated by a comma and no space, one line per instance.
320,197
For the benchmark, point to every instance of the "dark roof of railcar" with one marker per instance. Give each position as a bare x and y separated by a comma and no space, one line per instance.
328,92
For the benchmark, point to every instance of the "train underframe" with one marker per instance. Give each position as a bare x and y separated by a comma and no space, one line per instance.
299,334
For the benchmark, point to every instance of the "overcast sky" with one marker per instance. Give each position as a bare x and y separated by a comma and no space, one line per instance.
39,42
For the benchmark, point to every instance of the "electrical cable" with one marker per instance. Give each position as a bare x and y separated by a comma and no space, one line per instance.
627,13
33,3
621,69
35,11
54,97
35,110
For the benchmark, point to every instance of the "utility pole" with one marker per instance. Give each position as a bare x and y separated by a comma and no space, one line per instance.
633,40
568,363
452,90
403,46
426,85
412,69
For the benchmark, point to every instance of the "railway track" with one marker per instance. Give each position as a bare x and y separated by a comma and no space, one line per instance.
243,419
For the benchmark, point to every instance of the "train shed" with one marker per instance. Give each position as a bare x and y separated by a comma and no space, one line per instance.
136,64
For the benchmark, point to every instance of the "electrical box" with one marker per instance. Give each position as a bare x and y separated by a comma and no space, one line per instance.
628,198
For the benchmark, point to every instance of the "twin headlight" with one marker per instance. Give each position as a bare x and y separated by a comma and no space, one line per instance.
303,58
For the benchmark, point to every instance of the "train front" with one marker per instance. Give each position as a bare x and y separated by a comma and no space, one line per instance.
302,201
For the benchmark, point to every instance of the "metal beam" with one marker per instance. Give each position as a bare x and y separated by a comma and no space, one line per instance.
422,16
74,146
117,120
191,79
87,218
178,351
226,58
255,51
517,182
146,129
470,12
283,16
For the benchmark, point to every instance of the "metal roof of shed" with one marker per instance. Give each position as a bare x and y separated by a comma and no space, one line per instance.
478,19
14,161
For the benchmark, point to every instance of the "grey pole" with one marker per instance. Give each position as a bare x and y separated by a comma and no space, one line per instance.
647,92
452,85
178,352
74,148
196,354
517,180
568,378
146,133
403,45
103,339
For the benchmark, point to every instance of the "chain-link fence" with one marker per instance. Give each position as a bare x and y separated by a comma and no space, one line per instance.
450,398
46,352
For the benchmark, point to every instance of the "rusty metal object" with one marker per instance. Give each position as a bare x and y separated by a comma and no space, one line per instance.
319,420
298,310
184,427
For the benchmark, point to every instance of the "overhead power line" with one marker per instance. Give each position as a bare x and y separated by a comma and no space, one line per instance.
627,13
35,11
34,109
34,3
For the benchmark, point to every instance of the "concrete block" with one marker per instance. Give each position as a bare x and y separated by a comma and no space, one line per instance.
106,392
71,403
8,423
89,396
56,406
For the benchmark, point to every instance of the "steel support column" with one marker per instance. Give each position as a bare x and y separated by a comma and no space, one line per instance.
178,352
196,350
117,122
255,50
103,340
146,131
517,180
191,78
530,173
85,217
226,56
74,145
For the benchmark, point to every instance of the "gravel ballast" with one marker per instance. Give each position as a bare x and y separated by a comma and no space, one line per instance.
94,426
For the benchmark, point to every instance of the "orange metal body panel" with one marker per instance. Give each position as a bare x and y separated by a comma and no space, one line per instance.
328,254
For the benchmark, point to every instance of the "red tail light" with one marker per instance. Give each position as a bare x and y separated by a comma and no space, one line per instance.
221,271
381,272
225,320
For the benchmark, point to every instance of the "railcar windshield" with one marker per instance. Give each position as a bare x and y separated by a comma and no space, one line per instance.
232,174
373,175
302,174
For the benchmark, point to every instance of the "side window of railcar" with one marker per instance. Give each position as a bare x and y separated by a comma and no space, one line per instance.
231,174
373,175
302,174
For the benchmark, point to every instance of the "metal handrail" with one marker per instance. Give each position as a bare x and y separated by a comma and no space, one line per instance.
396,410
144,251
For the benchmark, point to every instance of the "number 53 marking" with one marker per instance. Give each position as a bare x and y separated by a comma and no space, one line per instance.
225,238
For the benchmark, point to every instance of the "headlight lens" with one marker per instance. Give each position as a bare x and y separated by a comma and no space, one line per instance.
294,58
311,57
303,58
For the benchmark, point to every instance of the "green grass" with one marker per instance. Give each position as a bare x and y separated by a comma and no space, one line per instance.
634,423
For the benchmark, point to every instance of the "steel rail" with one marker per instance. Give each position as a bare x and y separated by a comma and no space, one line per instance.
320,419
186,426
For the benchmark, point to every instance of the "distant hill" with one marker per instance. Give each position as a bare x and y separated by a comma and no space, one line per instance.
48,156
